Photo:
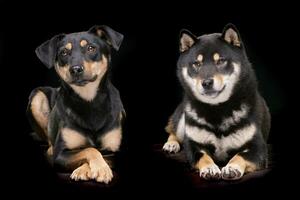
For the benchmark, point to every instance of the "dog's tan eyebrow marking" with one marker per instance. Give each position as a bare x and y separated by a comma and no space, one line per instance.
216,57
83,43
200,57
68,46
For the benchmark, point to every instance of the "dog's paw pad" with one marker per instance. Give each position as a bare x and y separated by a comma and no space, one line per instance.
81,173
171,147
232,172
210,172
101,172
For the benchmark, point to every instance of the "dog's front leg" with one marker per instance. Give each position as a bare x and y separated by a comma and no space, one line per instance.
88,164
201,160
251,158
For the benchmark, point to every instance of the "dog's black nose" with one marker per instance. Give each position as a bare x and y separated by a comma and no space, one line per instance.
207,83
76,70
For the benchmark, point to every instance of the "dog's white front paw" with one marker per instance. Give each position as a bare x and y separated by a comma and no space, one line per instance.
210,172
232,172
81,173
100,171
171,147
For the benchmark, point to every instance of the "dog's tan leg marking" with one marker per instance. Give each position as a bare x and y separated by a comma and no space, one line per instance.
112,140
100,171
172,145
40,110
236,168
72,138
207,167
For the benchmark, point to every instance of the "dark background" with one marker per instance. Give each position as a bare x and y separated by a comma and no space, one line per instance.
144,72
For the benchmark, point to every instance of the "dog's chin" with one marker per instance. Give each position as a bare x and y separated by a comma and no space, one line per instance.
212,93
83,82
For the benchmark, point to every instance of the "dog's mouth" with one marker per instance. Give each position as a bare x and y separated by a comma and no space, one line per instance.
213,93
83,81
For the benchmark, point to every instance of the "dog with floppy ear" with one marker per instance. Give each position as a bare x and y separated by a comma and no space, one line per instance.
83,116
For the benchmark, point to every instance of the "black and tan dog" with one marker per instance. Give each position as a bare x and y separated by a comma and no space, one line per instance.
84,115
222,122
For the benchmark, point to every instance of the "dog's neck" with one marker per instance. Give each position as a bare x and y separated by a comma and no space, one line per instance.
89,91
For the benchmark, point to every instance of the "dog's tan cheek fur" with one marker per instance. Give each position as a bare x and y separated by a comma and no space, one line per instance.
219,79
62,71
95,68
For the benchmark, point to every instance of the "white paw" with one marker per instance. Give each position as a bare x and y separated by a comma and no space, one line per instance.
171,147
100,171
81,173
232,172
210,172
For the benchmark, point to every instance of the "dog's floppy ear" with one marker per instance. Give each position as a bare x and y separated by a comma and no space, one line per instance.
231,35
46,52
112,37
187,40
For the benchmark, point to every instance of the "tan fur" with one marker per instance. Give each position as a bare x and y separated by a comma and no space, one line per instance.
68,46
89,91
172,137
200,58
100,32
112,140
100,171
82,173
204,161
40,110
216,57
170,127
63,72
186,42
83,43
232,37
50,151
219,79
245,165
72,138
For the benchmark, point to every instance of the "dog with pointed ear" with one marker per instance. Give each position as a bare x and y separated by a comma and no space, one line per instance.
230,34
218,82
85,114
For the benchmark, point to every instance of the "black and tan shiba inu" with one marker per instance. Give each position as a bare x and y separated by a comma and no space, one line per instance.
83,116
222,122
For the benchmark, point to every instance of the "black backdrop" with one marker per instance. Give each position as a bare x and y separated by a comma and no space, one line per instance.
144,72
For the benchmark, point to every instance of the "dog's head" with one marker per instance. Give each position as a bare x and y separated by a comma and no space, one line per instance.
80,58
209,66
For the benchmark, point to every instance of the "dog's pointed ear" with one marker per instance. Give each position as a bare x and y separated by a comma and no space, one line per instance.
231,35
46,52
187,40
112,37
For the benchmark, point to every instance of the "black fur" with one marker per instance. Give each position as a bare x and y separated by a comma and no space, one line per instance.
67,108
244,92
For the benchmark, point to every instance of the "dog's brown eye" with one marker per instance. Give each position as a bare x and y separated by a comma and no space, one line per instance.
197,64
221,61
91,48
64,52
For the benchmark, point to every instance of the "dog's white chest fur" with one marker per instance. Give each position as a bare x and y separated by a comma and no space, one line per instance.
233,141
